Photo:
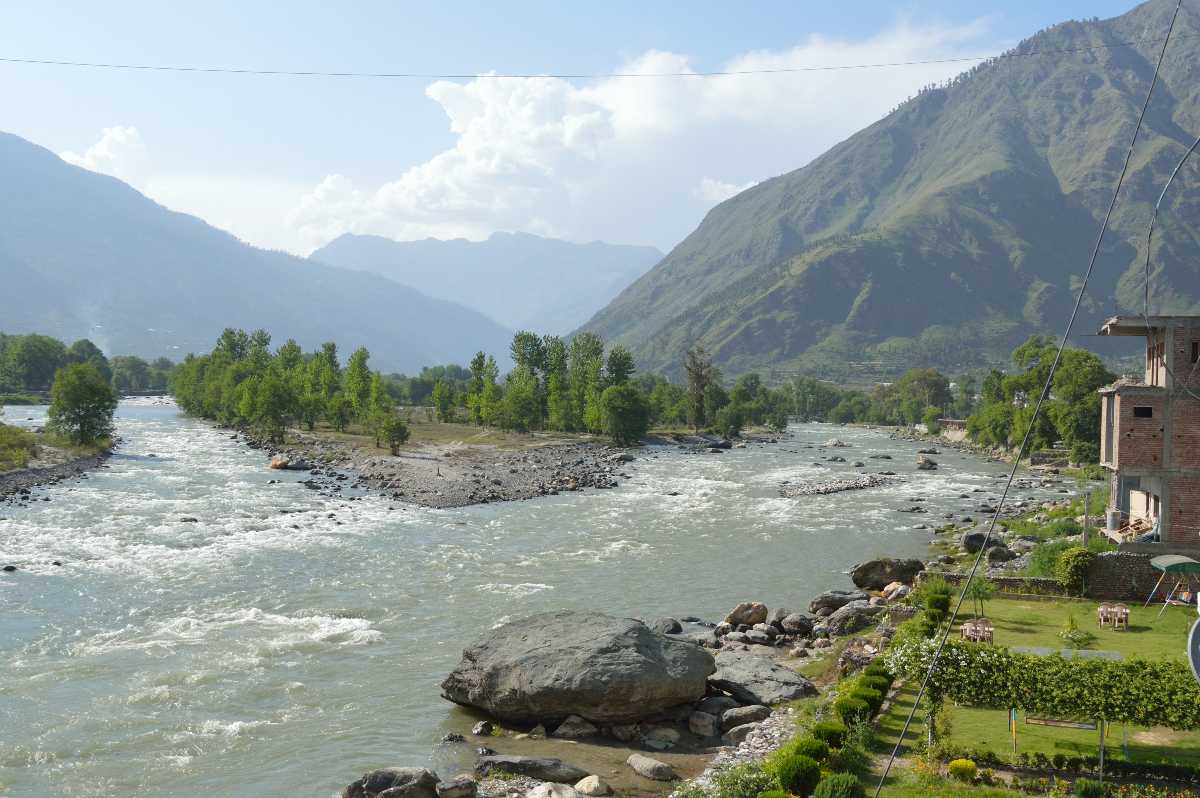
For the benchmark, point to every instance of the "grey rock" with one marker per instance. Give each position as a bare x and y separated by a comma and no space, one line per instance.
650,768
602,668
543,768
972,539
766,629
797,624
740,716
703,724
758,680
835,599
852,617
999,554
593,786
667,626
461,787
738,733
552,791
625,732
483,728
394,783
876,574
761,638
716,705
575,728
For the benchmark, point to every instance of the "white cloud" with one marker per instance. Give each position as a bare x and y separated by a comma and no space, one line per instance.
634,160
717,191
120,152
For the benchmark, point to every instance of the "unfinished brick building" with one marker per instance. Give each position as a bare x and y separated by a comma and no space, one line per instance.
1150,436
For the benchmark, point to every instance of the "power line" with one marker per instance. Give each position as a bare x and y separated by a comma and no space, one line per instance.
1036,412
312,73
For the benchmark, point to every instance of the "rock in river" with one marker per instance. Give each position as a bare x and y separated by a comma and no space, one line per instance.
534,767
602,668
877,574
396,783
650,768
752,679
747,613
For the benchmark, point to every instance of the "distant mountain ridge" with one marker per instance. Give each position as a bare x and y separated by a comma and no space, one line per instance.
522,281
952,228
85,255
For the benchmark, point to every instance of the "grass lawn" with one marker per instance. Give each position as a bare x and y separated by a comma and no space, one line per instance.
1038,623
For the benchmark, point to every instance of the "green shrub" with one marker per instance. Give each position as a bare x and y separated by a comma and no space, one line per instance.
877,668
810,747
962,770
1072,567
748,780
774,794
830,732
850,709
839,785
873,698
849,759
798,774
1086,788
939,602
17,446
880,683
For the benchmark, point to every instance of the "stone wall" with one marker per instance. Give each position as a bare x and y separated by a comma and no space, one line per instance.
1015,585
1122,575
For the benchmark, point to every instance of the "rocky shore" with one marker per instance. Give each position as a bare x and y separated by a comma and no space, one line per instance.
641,691
459,475
50,468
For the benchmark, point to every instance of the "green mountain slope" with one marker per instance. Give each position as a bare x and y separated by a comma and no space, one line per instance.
952,228
85,255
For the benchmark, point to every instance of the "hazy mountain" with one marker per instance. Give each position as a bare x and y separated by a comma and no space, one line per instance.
82,254
953,227
521,280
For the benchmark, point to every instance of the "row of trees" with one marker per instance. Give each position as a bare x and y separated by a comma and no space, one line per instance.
30,363
243,383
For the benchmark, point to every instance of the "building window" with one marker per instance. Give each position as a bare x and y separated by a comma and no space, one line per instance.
1141,411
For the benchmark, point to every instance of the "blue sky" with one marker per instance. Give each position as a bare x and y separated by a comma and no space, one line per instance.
291,162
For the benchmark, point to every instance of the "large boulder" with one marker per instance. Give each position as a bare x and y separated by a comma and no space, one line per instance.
395,782
797,624
877,574
752,679
650,768
972,540
601,668
835,599
852,617
541,768
747,613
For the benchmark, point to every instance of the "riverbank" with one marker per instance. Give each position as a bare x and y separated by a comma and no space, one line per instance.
439,470
50,466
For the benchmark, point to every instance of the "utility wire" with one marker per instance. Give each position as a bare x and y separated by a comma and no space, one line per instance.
1036,413
566,76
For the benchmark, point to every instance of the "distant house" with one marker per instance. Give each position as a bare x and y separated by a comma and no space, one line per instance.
1150,435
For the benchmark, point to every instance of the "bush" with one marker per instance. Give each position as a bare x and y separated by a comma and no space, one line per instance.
1086,788
799,774
850,709
877,668
810,747
830,732
16,447
880,683
774,794
748,780
938,602
839,785
1072,567
962,770
873,698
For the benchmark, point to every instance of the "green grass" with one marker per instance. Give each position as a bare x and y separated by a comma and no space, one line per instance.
21,399
17,446
1038,623
907,785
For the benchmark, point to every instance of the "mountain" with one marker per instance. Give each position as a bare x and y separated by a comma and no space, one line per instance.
82,254
955,226
521,280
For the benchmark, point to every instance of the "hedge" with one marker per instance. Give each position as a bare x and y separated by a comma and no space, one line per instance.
1132,691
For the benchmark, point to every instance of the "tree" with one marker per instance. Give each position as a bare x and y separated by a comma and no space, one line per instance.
31,361
443,401
84,351
82,404
271,404
337,412
699,368
521,409
130,374
558,398
585,366
357,383
626,414
395,433
729,420
620,366
478,368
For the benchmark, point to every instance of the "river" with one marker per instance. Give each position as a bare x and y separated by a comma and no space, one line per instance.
284,642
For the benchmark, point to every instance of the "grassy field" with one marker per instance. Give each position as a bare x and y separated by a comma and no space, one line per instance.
16,447
1038,623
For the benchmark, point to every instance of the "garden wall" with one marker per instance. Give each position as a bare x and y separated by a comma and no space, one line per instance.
1121,575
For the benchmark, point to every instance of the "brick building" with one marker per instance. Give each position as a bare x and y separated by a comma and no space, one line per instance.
1150,434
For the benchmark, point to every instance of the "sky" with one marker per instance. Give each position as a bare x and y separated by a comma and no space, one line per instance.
292,162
